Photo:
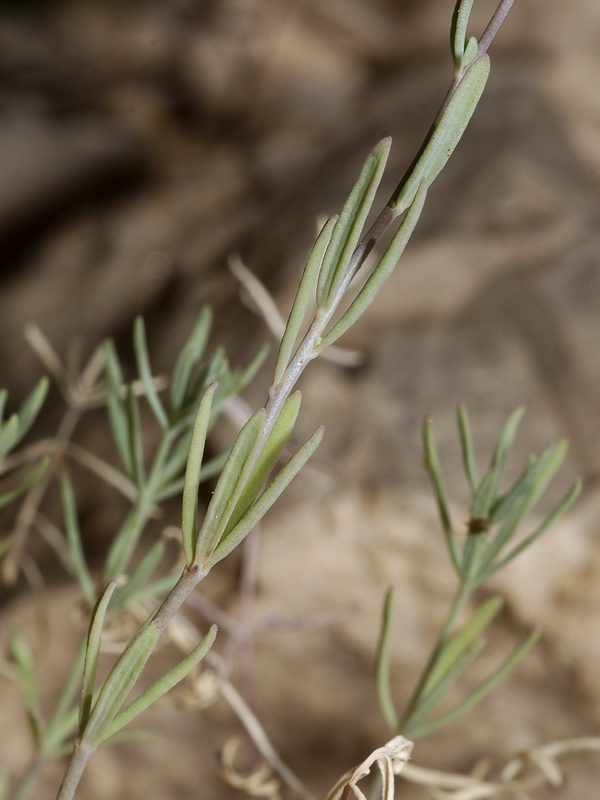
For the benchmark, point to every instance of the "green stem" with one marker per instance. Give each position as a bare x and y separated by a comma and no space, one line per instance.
459,602
77,764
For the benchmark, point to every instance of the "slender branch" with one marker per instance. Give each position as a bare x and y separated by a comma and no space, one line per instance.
494,25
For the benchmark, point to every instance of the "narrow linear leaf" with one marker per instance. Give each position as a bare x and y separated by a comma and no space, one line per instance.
427,704
468,449
302,299
381,272
479,513
537,477
136,445
125,594
557,512
265,460
161,686
92,652
120,682
348,228
471,49
30,407
3,399
188,359
209,469
458,32
506,440
25,483
219,507
23,659
140,346
116,408
158,588
124,543
74,542
481,691
189,510
461,642
257,511
383,663
64,719
432,464
447,133
9,434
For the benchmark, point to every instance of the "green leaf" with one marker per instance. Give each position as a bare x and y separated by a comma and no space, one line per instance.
9,435
427,704
193,470
432,464
136,442
251,484
31,407
25,483
188,359
480,511
120,682
209,469
468,450
17,425
348,228
447,133
158,588
505,442
23,659
92,652
161,686
528,490
128,593
383,662
480,691
257,511
63,722
457,646
458,32
302,299
140,346
219,508
74,542
116,408
380,273
557,512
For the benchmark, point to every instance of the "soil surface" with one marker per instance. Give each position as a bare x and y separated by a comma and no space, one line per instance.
143,143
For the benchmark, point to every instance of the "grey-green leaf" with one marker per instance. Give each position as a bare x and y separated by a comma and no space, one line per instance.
257,511
188,359
348,228
383,664
92,652
116,407
74,543
381,272
193,471
447,133
161,686
119,683
302,299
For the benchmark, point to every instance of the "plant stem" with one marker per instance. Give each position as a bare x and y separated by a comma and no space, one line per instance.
493,26
78,762
460,600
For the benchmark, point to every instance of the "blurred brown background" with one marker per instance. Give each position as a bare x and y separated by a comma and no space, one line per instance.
141,143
